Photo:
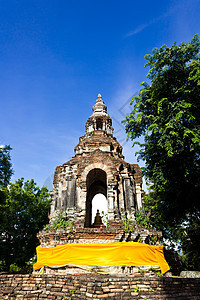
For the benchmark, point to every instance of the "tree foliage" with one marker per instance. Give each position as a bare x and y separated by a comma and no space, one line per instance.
6,170
23,212
167,114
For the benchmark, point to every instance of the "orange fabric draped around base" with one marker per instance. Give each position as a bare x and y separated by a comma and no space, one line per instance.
105,254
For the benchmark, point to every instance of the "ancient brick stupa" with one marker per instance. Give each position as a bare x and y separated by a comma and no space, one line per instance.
98,167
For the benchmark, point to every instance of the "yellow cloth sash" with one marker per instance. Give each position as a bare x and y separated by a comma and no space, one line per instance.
106,254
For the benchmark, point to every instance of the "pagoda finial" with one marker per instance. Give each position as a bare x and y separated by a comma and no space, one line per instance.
99,107
99,120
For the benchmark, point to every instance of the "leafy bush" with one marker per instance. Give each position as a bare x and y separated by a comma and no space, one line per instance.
174,261
128,224
62,222
104,218
142,219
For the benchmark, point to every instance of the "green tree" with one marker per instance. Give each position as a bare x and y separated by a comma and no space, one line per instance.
167,114
6,170
23,212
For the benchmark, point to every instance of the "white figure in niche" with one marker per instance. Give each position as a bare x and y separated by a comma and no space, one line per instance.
99,202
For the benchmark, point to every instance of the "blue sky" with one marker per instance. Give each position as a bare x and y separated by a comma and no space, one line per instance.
56,56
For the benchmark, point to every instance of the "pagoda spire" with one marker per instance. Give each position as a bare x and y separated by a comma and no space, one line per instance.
99,120
99,108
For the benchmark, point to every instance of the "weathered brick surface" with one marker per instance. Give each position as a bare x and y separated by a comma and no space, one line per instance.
97,287
54,238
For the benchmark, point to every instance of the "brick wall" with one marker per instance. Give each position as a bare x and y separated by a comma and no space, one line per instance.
50,237
97,287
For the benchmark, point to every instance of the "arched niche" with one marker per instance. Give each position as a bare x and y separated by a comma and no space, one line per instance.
99,124
96,184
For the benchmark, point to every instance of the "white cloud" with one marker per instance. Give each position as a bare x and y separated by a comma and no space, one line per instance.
145,25
138,29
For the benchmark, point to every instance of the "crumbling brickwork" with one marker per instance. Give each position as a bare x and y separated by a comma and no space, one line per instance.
96,235
59,287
